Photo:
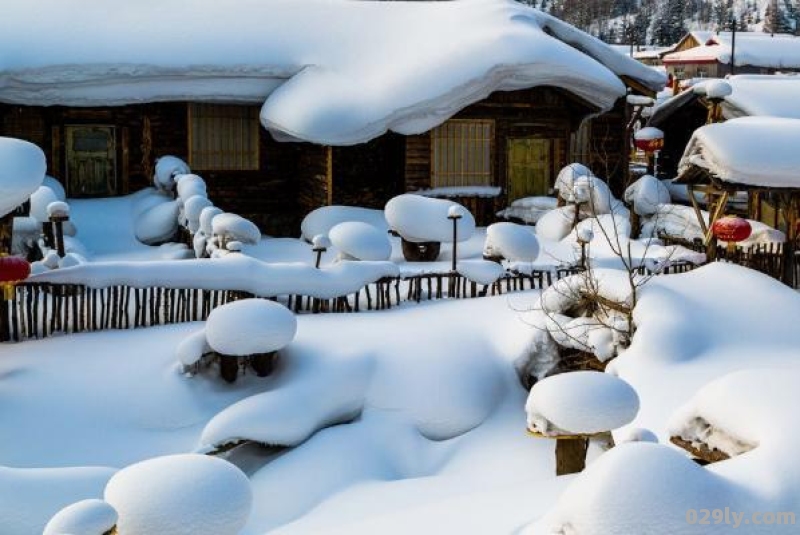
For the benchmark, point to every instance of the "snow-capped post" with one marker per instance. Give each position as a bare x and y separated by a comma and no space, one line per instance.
320,244
454,213
731,230
58,213
574,407
650,140
584,235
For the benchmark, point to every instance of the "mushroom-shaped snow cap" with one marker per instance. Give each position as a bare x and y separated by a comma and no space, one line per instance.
512,242
87,517
250,326
22,168
58,209
235,228
186,494
424,219
361,241
578,403
718,89
320,242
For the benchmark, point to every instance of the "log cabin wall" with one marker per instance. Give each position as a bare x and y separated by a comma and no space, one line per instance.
369,174
313,177
609,148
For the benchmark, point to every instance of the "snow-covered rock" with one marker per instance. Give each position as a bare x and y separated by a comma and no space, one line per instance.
424,219
157,224
234,227
181,495
167,168
250,326
86,517
581,402
646,195
22,168
323,219
361,241
512,242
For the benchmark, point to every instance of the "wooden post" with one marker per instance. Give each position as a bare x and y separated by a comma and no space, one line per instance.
58,223
571,455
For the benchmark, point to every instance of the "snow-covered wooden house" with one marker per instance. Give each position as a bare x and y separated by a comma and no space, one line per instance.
284,106
752,53
751,95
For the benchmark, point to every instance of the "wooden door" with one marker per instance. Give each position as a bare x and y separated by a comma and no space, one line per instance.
91,165
529,167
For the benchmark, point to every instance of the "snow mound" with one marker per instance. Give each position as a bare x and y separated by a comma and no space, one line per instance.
565,180
86,517
361,241
157,224
22,168
529,209
636,434
167,168
582,402
512,242
423,219
235,228
207,216
192,348
646,195
192,208
323,219
480,271
190,185
40,200
250,326
180,495
556,224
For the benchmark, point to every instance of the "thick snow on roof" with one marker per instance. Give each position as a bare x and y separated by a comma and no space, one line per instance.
752,48
753,151
335,72
773,95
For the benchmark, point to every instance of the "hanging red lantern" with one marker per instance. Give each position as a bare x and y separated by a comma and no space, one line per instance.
649,139
13,269
731,229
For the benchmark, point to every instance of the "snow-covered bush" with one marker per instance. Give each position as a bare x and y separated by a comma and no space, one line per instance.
250,326
86,517
528,209
192,349
360,241
181,495
157,224
511,242
556,224
233,227
565,180
189,186
207,215
480,271
167,168
323,219
646,195
423,219
192,208
22,168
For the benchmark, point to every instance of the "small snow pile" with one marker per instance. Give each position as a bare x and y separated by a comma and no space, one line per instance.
516,243
360,241
167,168
528,209
192,349
181,495
480,271
717,89
423,219
22,169
159,223
87,517
584,402
556,225
637,434
646,195
322,220
250,326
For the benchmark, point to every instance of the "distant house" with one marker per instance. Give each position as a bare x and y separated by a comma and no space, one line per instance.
752,95
284,107
754,53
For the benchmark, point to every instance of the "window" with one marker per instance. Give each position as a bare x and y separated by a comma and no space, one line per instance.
223,137
91,160
462,153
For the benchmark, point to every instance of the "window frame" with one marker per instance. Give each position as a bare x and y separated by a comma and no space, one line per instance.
249,158
441,176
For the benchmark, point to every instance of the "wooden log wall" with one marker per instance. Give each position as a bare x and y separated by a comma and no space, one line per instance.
609,148
313,178
369,174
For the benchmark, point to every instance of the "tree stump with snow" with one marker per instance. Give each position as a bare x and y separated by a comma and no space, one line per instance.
249,331
573,408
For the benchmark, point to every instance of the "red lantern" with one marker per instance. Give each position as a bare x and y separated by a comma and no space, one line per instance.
731,229
649,145
13,269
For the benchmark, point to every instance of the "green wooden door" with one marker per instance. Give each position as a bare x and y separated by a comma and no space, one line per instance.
529,167
91,161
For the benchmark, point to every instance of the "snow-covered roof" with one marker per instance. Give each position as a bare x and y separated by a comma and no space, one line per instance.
327,71
751,151
772,95
752,48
